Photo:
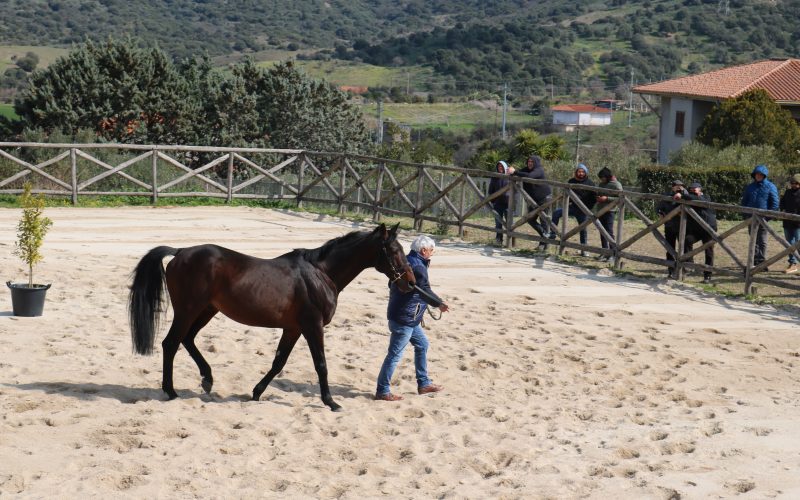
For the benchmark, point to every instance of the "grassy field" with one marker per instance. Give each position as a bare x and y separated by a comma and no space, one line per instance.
7,110
461,117
46,54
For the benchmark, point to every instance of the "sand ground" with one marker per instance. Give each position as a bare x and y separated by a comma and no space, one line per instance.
560,382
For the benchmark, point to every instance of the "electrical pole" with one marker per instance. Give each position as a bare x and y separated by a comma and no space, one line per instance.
380,123
630,103
578,142
552,90
408,82
505,104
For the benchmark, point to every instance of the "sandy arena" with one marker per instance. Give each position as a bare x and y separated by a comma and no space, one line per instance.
559,383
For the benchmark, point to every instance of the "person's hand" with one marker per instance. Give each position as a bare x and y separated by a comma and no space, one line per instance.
676,196
444,308
511,170
602,198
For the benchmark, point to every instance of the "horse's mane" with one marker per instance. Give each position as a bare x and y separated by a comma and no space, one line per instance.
317,254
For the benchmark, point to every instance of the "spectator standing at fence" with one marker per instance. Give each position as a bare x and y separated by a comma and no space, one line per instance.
790,203
763,195
672,227
695,232
540,193
405,313
607,181
588,198
501,203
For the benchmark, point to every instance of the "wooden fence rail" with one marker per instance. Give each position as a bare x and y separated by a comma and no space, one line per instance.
444,195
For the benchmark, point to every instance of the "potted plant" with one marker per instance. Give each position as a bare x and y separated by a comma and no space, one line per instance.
27,299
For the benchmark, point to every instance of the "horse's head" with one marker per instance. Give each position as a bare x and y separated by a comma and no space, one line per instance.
392,260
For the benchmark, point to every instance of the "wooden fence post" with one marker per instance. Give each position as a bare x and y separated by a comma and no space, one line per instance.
154,198
563,224
73,158
417,219
512,198
342,185
229,195
618,235
681,243
376,214
300,172
751,253
461,207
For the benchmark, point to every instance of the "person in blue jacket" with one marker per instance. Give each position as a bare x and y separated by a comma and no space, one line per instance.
404,313
761,194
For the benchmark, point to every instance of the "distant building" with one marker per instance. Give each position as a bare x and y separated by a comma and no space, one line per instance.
686,101
569,116
354,89
612,104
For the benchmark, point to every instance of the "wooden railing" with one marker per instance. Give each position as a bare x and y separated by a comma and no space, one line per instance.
444,195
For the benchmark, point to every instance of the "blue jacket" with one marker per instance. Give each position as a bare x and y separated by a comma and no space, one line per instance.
762,195
408,308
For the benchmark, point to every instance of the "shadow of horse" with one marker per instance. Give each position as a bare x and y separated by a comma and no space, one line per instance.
131,395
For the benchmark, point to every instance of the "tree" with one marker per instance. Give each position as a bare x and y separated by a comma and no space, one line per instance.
753,118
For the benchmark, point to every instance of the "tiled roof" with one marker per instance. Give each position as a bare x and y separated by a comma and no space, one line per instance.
779,77
580,108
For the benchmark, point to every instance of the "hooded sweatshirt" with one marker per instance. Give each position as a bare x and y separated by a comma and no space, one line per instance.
762,195
539,192
790,203
496,184
589,198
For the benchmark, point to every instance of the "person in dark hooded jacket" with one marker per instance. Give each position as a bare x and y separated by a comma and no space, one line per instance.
761,194
501,203
540,193
672,226
790,203
695,232
588,198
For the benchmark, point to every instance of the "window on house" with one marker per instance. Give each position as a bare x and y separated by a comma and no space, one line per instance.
680,117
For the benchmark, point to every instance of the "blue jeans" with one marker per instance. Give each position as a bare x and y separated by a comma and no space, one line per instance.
401,335
792,236
573,212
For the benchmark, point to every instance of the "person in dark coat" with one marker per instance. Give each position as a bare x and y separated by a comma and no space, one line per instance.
405,313
540,194
672,226
695,232
501,203
790,203
607,181
761,194
588,198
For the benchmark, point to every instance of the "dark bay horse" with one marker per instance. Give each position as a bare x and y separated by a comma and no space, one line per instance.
297,292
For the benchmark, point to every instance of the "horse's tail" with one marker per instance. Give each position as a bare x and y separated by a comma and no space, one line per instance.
144,301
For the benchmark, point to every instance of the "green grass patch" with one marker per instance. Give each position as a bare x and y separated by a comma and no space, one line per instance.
7,110
47,55
463,116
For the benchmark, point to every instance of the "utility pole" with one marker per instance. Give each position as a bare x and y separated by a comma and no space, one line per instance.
379,137
578,143
408,82
630,103
552,90
505,105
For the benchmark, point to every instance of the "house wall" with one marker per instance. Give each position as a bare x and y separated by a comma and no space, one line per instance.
565,118
668,141
575,118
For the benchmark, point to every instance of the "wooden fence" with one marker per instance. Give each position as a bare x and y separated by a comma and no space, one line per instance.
444,195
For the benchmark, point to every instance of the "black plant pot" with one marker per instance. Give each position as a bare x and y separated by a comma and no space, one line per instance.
27,301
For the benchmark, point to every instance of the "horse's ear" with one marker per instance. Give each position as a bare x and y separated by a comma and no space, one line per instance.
381,231
393,231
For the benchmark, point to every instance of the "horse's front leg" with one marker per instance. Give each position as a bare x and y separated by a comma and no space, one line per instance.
317,346
285,346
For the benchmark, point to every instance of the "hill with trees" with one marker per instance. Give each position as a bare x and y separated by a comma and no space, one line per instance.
566,44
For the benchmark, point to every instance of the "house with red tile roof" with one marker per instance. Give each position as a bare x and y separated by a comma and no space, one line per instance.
569,116
686,101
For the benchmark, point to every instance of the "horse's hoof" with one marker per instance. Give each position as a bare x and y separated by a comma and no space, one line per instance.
207,383
171,396
256,397
335,407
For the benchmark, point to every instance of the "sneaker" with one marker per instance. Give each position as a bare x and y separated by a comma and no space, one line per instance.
791,269
584,254
552,235
542,247
706,280
388,397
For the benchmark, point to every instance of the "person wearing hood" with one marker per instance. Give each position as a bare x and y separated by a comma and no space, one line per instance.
405,313
672,226
761,194
607,181
540,193
501,203
588,198
790,203
695,232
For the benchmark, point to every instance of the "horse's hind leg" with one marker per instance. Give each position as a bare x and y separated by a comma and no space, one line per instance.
188,342
170,346
285,346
